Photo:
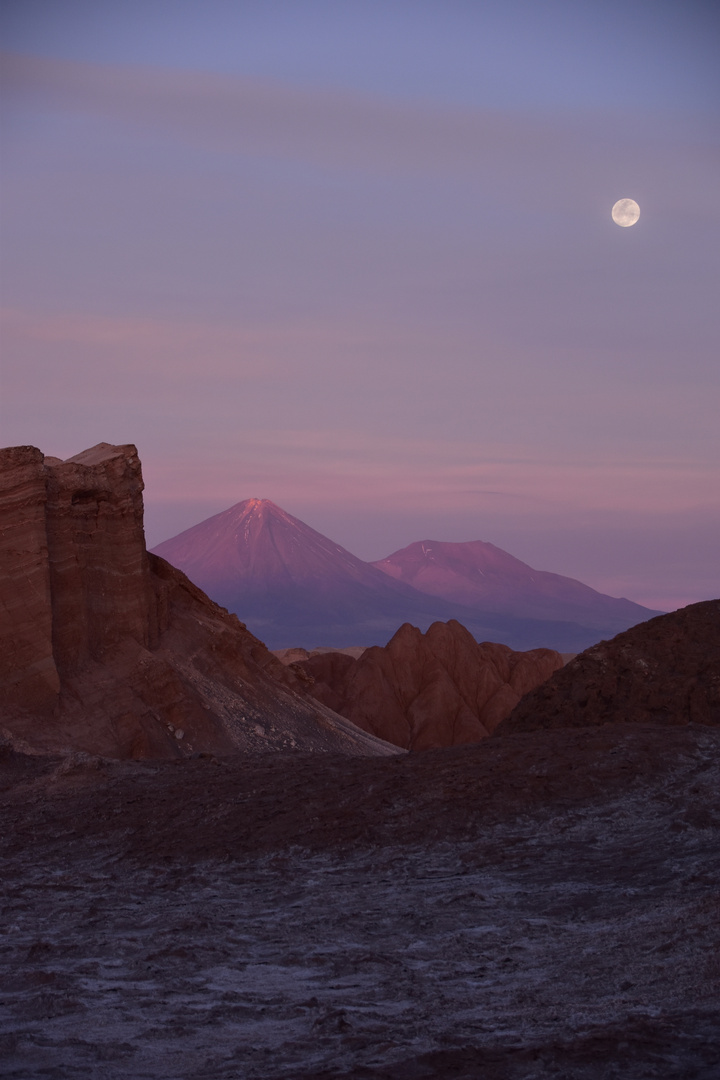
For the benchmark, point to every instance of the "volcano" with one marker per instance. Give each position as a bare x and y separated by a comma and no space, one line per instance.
480,575
293,586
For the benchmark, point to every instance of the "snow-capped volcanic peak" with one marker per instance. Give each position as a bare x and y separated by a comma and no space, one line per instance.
261,545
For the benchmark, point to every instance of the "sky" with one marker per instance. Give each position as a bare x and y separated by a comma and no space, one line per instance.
356,256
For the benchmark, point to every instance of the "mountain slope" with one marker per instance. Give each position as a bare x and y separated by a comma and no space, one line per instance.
666,671
293,586
290,583
481,575
259,549
108,650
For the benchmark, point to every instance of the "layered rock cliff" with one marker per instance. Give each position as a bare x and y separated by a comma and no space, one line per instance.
665,671
108,649
419,691
28,673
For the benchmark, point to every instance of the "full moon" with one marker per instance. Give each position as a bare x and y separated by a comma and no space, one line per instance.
625,212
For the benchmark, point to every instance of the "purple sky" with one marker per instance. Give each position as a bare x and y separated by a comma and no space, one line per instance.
358,258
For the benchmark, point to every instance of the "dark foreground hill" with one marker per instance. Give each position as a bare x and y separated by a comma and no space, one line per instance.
295,587
665,671
106,649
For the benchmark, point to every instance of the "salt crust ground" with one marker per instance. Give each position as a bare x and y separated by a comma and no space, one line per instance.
543,905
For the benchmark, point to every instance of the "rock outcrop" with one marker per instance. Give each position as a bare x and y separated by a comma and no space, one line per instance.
665,671
436,689
107,649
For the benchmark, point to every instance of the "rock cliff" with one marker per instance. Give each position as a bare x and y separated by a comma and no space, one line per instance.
665,671
107,649
419,691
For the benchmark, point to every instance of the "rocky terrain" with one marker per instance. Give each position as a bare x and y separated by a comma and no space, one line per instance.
665,671
539,905
107,649
440,688
295,587
270,892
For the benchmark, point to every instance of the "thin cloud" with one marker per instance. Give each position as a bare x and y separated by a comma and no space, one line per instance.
352,468
338,128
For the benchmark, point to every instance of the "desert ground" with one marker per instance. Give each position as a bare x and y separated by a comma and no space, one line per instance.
538,905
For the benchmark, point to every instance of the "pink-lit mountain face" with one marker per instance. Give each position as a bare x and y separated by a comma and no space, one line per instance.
480,575
291,583
257,548
293,586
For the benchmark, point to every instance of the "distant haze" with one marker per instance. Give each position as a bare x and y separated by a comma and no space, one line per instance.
358,259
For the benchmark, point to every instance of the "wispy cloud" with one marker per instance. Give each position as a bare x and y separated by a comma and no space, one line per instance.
240,115
345,130
403,473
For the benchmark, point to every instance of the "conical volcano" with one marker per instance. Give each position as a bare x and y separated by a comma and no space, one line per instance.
293,586
483,576
291,583
256,549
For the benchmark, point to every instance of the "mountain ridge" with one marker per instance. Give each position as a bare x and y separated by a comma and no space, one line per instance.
450,570
294,586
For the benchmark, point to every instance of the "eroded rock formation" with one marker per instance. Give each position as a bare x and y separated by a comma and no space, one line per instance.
107,649
419,691
665,671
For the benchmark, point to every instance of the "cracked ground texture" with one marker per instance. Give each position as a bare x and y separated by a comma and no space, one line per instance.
538,905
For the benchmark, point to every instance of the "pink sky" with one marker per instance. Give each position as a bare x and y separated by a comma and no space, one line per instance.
398,313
